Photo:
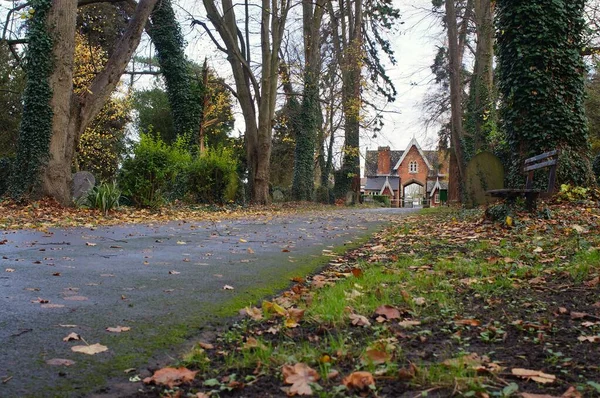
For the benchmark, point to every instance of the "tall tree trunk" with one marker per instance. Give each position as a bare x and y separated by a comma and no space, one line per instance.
455,92
347,40
481,110
73,113
303,184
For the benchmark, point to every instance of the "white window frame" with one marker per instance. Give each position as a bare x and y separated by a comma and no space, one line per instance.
413,167
436,198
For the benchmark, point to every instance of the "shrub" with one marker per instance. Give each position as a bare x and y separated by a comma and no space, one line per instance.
5,168
149,173
104,197
382,199
212,177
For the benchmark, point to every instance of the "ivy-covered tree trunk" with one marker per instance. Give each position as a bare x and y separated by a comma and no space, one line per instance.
348,45
304,171
168,41
481,109
541,79
49,160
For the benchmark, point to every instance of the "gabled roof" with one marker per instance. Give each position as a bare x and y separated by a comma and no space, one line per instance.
378,183
413,142
432,186
371,162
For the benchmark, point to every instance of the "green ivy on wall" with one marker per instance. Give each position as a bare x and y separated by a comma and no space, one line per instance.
36,125
541,80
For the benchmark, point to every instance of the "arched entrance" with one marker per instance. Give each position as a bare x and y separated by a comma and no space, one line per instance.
413,194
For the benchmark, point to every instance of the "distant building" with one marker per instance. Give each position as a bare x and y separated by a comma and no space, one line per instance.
412,177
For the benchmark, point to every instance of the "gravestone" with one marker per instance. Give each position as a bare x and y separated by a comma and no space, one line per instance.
278,196
83,181
484,172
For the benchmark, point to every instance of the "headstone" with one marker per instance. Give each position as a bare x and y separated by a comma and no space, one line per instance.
83,181
349,198
278,196
484,172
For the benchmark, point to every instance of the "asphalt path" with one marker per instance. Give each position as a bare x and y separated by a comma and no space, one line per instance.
166,282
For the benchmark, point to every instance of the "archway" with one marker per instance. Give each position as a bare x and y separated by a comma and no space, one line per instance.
413,194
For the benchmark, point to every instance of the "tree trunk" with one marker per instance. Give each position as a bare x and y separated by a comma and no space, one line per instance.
73,113
455,92
481,109
304,172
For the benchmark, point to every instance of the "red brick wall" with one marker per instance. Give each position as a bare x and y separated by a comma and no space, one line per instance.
383,160
422,170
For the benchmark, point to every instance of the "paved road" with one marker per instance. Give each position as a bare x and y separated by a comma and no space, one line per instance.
165,282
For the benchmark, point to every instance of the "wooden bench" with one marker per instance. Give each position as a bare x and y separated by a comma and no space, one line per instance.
545,160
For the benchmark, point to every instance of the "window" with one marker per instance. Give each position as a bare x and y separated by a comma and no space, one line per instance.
436,198
412,167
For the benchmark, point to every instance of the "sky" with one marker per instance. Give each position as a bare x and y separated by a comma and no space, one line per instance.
415,49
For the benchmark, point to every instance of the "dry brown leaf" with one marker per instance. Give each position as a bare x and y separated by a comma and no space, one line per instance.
593,282
530,395
76,298
578,315
118,329
60,362
273,308
171,377
299,376
9,270
359,320
202,395
72,336
534,375
467,322
419,301
295,314
376,357
89,349
206,346
405,374
591,339
253,312
388,311
359,381
408,324
46,305
251,342
571,393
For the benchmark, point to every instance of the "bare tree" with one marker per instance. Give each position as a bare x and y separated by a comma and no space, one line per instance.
256,91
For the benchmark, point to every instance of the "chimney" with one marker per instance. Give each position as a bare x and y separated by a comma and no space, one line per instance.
383,160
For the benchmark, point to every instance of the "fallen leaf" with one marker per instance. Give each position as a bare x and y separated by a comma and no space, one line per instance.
273,308
530,395
578,315
251,342
359,381
591,339
72,336
173,272
68,326
9,270
534,375
180,242
90,244
171,377
295,314
76,298
227,287
357,272
52,306
243,240
89,349
359,320
118,329
206,346
408,324
250,251
538,250
419,301
407,374
376,357
593,282
253,312
60,362
467,322
388,311
299,376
